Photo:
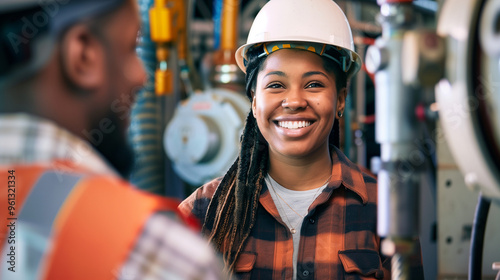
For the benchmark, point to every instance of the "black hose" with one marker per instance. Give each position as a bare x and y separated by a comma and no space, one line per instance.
477,238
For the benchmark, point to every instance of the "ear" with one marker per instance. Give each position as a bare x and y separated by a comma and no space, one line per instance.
341,96
254,106
83,58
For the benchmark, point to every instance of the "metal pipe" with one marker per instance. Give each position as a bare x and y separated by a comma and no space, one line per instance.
226,73
354,12
230,12
396,126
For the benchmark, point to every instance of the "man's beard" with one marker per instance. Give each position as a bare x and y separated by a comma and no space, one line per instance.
114,146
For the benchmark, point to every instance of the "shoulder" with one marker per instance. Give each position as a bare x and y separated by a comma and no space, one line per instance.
178,251
113,187
197,203
119,196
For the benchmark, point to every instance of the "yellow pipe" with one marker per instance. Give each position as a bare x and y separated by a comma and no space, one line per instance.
162,33
230,12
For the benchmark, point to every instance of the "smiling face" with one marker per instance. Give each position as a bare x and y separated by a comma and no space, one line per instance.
295,104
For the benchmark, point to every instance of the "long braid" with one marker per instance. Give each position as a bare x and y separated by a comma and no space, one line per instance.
231,213
253,177
232,210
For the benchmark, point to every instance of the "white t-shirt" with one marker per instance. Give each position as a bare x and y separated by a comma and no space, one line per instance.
286,200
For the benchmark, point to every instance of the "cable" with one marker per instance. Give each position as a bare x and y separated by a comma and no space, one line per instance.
477,238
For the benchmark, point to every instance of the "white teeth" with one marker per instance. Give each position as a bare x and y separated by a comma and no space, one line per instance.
294,124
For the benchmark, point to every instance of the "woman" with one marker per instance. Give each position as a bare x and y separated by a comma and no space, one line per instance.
292,206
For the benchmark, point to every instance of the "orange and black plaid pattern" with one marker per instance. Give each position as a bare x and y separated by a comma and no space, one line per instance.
338,236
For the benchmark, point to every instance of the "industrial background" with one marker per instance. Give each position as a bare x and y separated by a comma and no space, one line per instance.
423,114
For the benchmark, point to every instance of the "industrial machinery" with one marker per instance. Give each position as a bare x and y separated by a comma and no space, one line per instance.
469,98
203,137
196,126
408,60
472,85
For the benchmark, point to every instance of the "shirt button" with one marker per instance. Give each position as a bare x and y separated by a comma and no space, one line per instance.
305,273
312,221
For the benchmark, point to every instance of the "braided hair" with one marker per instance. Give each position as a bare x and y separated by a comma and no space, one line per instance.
231,213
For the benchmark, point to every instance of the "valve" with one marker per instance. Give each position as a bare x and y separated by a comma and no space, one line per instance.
163,33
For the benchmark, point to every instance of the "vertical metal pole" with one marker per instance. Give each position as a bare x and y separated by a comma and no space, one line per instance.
398,180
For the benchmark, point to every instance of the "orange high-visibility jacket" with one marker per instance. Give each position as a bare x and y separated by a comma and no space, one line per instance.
91,221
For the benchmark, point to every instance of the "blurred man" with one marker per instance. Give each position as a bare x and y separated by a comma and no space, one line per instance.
68,77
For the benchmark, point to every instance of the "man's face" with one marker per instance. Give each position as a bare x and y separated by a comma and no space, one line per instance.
125,75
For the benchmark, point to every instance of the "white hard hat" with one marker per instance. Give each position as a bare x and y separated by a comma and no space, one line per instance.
313,21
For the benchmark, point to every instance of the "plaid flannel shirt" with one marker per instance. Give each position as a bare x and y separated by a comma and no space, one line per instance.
164,250
338,236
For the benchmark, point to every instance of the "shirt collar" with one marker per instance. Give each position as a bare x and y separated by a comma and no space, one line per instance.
344,172
26,139
348,174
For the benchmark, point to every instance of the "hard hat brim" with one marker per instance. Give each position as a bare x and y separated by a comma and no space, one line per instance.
240,54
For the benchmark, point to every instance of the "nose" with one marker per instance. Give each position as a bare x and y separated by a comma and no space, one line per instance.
294,101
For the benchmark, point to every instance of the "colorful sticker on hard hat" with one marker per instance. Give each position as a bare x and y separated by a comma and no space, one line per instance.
339,55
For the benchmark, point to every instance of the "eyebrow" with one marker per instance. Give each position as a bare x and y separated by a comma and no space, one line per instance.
312,73
305,75
279,73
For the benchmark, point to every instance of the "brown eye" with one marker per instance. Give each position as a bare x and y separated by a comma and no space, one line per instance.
274,85
315,85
